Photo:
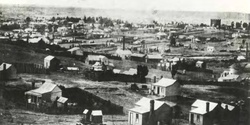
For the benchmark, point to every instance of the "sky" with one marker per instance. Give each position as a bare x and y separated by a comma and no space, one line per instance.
176,5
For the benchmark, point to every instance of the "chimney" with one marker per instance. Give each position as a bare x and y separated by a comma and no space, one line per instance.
247,56
154,79
226,107
207,106
4,67
123,42
151,114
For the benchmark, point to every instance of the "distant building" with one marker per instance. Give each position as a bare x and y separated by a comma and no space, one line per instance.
150,112
210,49
200,64
124,54
48,92
161,35
228,76
7,72
211,113
153,58
73,50
138,57
51,62
96,116
92,59
215,23
166,87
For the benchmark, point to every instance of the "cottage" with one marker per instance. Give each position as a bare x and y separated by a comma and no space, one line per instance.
51,62
7,72
48,92
166,87
92,59
210,49
211,113
150,112
96,116
153,58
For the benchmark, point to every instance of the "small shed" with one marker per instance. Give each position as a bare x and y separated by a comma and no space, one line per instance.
96,116
200,64
153,58
7,71
51,62
62,102
86,115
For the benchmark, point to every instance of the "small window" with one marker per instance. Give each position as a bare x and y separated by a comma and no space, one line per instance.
137,118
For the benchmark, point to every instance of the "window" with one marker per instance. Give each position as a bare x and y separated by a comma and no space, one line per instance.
198,118
137,118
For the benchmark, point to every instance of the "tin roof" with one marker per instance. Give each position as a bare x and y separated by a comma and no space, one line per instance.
49,57
45,88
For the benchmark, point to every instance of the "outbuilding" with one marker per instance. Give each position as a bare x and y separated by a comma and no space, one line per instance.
166,87
96,116
51,63
7,72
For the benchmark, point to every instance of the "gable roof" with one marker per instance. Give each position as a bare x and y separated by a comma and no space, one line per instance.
165,82
45,88
49,57
7,66
200,106
143,105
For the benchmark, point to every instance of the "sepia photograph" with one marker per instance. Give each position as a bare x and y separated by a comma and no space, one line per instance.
124,62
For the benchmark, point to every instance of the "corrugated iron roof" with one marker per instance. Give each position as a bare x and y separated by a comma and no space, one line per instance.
45,88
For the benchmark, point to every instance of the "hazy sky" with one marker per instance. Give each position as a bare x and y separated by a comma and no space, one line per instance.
185,5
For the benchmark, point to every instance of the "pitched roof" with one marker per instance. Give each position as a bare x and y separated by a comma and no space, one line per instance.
85,111
62,99
165,82
143,105
138,55
96,113
156,56
7,66
73,49
200,106
95,57
49,57
131,71
45,88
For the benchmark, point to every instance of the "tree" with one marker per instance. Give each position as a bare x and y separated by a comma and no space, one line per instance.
238,25
232,24
245,25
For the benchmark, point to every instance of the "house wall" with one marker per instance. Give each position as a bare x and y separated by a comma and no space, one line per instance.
10,73
132,120
46,64
54,64
164,114
197,118
172,90
96,119
51,96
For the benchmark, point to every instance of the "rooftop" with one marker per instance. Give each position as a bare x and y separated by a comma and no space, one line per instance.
165,82
96,113
45,88
7,66
49,57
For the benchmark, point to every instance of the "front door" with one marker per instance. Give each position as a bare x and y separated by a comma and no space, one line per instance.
192,118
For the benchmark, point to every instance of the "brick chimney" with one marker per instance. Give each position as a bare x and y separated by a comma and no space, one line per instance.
207,106
123,43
